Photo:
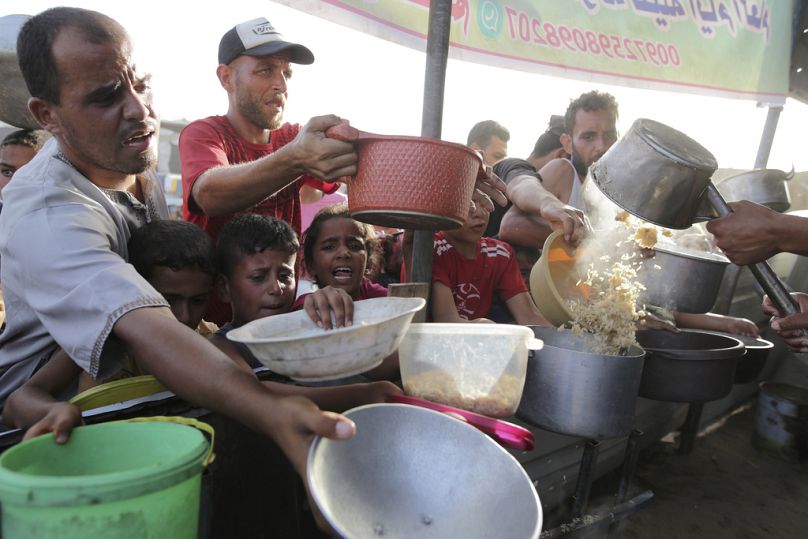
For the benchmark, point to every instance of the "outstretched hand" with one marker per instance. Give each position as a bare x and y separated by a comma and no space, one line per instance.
792,328
320,156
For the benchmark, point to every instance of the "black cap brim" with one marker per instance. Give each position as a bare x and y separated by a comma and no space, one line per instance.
297,54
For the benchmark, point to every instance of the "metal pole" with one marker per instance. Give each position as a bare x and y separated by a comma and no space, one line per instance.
586,473
690,429
767,137
437,53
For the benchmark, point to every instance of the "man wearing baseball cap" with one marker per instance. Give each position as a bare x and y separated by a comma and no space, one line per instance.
248,159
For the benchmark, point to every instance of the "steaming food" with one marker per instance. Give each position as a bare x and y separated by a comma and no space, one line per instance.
610,311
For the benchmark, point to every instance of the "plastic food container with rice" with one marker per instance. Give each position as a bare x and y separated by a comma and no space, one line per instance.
476,367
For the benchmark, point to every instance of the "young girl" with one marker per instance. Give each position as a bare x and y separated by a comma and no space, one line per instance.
340,252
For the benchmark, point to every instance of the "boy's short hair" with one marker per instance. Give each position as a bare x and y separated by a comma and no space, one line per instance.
249,234
30,138
177,245
369,236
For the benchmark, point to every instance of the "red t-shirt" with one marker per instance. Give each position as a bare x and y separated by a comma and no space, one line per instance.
213,142
474,282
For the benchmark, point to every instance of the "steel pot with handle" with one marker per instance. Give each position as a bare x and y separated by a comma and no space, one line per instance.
762,186
681,279
690,366
410,182
571,390
661,175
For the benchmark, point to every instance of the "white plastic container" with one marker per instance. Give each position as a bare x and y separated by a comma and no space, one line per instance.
476,367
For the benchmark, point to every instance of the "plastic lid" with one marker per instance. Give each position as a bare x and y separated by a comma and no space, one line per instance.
506,434
675,145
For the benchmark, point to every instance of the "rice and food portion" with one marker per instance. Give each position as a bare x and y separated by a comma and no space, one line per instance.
495,397
609,311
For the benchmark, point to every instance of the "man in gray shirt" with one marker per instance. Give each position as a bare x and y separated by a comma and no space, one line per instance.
64,231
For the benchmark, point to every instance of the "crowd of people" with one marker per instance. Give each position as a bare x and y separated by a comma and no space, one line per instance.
97,280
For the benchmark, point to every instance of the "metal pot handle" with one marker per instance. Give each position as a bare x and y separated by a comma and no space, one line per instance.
764,274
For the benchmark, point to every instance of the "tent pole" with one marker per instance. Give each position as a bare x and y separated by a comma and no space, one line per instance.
437,52
767,137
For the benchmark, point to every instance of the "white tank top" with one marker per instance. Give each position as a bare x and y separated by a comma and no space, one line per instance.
576,193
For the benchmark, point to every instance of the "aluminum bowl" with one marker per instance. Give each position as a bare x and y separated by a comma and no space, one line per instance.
412,472
292,345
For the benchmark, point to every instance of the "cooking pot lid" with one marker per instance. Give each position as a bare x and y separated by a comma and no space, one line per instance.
675,145
506,434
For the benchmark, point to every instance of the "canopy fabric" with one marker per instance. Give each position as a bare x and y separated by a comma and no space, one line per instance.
729,48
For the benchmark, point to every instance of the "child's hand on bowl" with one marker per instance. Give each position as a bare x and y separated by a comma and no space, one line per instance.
329,307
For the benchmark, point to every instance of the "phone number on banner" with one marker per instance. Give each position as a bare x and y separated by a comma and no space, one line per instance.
529,29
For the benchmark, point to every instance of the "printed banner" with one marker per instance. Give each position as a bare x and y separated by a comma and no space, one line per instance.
731,48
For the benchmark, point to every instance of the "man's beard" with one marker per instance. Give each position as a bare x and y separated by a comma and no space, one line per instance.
577,161
257,116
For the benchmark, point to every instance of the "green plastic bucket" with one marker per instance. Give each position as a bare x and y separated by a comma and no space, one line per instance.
111,480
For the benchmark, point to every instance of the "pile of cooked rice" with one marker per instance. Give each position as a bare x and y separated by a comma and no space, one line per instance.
610,311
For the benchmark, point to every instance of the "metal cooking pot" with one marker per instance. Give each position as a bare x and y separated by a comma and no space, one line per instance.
572,391
763,186
751,364
412,472
691,366
13,92
410,182
685,280
661,175
656,173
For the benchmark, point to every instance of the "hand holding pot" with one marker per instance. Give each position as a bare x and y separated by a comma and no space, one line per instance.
563,217
323,157
790,328
751,233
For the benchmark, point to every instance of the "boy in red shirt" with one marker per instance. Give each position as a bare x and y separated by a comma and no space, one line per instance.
468,270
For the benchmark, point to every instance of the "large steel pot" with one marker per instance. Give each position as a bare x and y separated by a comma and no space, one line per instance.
751,364
681,280
690,366
572,391
13,92
412,472
661,175
656,173
410,182
763,186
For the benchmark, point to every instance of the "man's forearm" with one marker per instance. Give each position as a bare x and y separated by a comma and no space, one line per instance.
228,189
528,194
793,235
520,229
194,369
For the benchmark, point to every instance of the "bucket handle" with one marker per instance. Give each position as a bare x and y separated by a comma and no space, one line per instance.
200,425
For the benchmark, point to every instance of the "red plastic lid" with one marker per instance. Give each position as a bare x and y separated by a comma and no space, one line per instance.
507,434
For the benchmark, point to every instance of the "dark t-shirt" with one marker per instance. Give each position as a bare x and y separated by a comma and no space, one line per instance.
507,170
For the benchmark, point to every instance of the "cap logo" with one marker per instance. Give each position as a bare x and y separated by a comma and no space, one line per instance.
264,29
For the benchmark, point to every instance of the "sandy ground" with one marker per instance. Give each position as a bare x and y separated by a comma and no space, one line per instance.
725,488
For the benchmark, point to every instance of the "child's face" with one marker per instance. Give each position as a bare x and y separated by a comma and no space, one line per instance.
473,227
261,284
187,292
339,256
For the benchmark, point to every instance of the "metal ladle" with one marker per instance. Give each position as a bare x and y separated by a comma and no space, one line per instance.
662,176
